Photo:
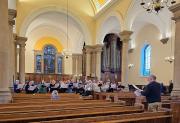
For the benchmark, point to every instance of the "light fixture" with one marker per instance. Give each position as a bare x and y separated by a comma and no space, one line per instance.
130,66
164,40
66,52
169,59
156,5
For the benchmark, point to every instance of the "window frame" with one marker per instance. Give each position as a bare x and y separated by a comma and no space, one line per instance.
146,52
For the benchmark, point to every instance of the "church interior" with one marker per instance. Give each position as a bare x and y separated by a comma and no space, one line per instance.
72,61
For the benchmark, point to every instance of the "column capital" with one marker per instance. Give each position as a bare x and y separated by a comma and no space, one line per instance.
94,48
12,15
125,35
21,41
98,47
88,48
175,9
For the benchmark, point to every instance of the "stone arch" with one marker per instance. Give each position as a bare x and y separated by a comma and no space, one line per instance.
27,21
112,23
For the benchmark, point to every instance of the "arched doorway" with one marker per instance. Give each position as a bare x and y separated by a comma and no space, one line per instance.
111,58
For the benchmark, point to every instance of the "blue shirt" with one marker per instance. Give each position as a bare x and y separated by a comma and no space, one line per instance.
152,92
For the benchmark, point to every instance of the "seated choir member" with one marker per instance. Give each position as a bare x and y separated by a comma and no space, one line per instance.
170,88
105,87
75,86
113,87
100,84
124,86
31,88
80,88
96,88
18,87
42,87
54,86
88,88
163,89
70,86
63,87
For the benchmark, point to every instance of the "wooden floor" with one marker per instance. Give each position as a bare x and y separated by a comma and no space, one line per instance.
71,108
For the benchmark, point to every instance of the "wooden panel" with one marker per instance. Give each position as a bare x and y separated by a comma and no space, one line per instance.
176,111
37,77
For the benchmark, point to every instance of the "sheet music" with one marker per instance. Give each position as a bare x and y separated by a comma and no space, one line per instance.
31,88
56,85
136,87
137,93
46,84
20,86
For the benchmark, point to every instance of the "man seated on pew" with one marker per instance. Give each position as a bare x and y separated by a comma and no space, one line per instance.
54,86
31,88
153,93
54,95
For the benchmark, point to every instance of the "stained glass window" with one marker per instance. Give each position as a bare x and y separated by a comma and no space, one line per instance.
146,60
38,63
59,65
49,59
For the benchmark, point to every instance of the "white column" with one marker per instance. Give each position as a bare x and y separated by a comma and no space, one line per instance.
125,38
176,11
80,64
12,4
98,61
15,56
93,64
21,41
74,64
5,95
12,15
88,60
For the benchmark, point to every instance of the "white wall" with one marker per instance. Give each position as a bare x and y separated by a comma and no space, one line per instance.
54,24
149,34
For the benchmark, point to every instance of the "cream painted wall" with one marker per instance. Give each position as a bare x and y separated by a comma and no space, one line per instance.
85,13
112,19
117,10
149,34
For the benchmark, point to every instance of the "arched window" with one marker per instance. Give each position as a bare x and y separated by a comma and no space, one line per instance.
146,60
49,59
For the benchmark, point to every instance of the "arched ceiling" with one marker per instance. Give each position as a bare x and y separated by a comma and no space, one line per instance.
100,4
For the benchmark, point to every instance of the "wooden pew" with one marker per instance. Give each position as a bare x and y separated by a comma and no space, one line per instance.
30,108
175,105
142,118
128,97
47,102
66,114
158,117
